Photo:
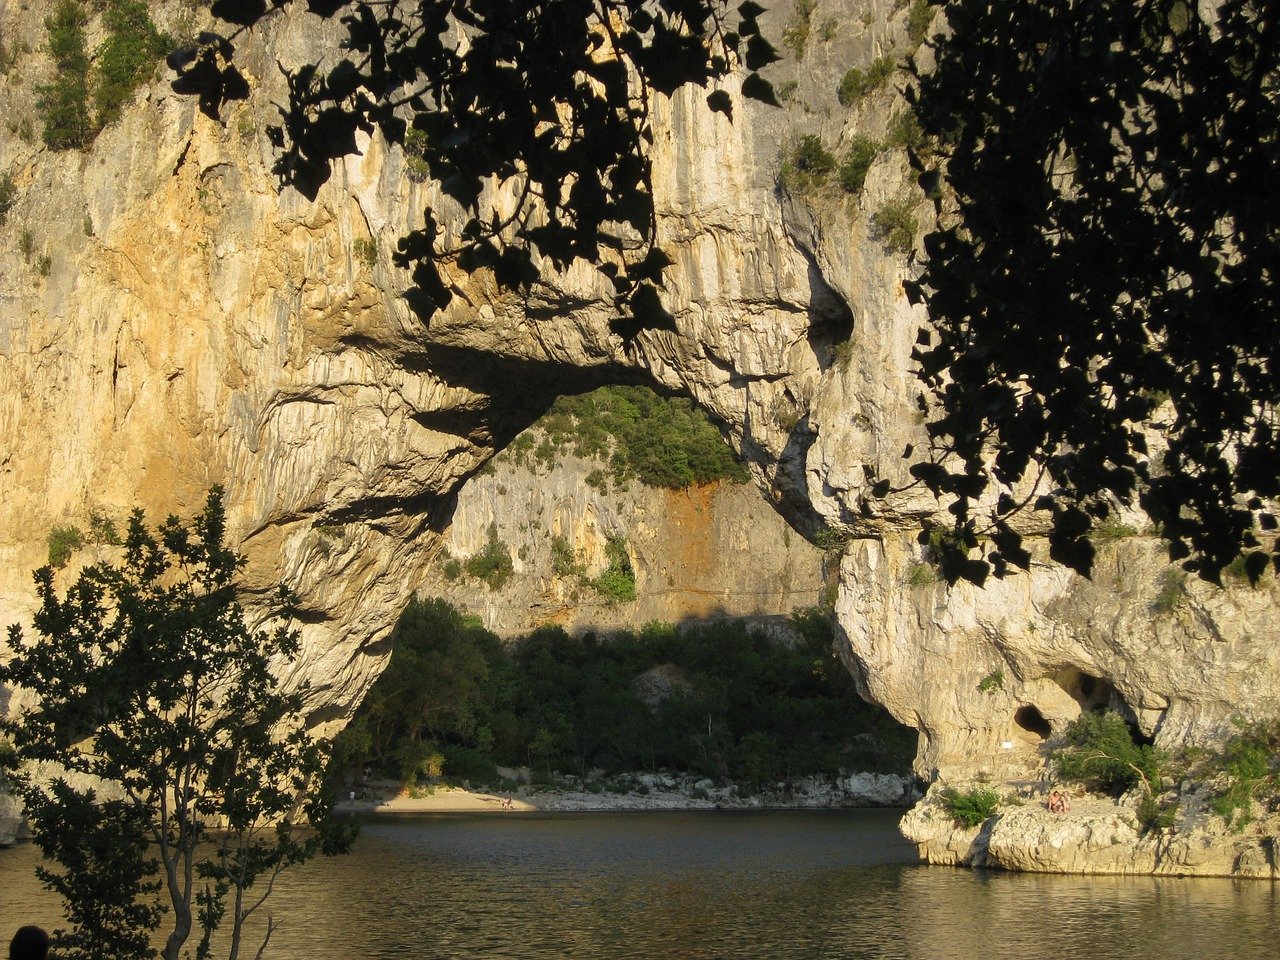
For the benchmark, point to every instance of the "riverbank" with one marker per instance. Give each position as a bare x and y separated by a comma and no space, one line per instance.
1098,835
643,792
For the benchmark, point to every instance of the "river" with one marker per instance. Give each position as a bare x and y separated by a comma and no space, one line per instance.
711,886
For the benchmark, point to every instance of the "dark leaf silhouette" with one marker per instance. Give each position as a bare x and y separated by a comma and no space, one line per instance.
1109,277
544,105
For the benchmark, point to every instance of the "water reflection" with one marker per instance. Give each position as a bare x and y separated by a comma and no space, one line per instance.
710,886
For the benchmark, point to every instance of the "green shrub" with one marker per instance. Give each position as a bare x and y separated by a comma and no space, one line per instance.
992,682
366,251
8,195
832,539
1099,752
102,529
853,86
1112,528
1154,814
64,541
921,575
127,58
856,83
787,90
895,224
919,16
796,32
416,167
617,583
564,562
44,265
971,808
807,164
1248,763
811,157
1171,588
853,170
64,102
451,568
904,131
492,564
26,244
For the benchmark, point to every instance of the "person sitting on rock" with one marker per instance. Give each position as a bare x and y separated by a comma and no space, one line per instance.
1053,802
1064,802
29,943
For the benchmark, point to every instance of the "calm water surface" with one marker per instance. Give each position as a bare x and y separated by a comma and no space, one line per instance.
699,886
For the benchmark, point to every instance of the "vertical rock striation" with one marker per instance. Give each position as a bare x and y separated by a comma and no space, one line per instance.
196,326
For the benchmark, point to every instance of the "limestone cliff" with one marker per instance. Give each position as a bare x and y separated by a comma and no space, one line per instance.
699,553
193,325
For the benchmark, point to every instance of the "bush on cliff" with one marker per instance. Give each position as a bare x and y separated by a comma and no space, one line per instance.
660,441
104,81
971,808
1099,751
64,101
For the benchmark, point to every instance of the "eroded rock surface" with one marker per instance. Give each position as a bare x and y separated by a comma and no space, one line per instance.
701,553
1097,836
197,326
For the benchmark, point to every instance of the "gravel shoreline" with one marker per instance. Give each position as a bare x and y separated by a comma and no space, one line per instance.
651,792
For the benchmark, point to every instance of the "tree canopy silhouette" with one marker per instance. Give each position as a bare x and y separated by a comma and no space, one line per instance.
1102,280
550,101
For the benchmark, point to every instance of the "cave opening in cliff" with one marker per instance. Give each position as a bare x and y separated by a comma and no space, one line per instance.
1030,719
1090,692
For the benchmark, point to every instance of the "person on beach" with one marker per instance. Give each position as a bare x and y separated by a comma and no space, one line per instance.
29,943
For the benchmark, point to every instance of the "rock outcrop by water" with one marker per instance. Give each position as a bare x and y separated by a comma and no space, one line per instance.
194,326
1097,836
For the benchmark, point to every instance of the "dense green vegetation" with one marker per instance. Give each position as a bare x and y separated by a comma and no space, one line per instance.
8,195
972,807
660,441
64,102
105,81
1101,754
1248,768
455,700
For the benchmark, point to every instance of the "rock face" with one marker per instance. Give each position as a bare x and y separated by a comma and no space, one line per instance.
700,553
1096,837
193,325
